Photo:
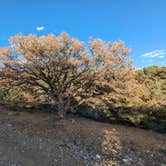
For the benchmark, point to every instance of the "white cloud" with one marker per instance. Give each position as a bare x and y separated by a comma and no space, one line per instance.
155,54
161,56
40,28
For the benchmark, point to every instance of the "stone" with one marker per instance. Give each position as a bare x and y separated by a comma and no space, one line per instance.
98,156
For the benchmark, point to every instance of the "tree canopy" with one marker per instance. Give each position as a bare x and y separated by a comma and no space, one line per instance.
67,71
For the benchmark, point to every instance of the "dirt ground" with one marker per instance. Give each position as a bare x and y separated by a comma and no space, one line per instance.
41,139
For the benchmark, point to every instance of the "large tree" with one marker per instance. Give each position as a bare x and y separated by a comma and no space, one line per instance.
66,70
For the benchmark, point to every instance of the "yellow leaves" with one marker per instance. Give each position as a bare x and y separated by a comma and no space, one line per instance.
153,103
100,54
64,37
4,53
62,64
49,45
76,47
75,62
17,39
97,47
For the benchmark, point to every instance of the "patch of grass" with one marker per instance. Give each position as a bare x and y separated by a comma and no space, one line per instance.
136,119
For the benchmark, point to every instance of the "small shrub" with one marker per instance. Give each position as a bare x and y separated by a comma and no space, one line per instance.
11,97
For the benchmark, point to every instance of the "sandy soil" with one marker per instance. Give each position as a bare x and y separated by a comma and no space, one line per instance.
41,139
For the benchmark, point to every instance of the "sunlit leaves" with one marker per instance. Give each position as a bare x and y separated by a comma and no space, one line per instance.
67,70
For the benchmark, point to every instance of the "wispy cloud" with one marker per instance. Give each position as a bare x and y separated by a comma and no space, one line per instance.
40,28
155,54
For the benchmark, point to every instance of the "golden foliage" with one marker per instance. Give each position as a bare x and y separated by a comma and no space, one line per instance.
69,71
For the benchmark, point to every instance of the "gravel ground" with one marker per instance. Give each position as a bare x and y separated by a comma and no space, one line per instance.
40,139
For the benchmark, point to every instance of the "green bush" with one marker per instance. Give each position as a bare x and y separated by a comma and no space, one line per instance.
11,97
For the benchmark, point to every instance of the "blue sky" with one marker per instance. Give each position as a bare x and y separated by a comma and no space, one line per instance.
140,23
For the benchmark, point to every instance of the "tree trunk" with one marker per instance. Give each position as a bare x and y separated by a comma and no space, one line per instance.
61,107
64,105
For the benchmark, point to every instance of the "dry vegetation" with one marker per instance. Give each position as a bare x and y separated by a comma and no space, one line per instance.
67,72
